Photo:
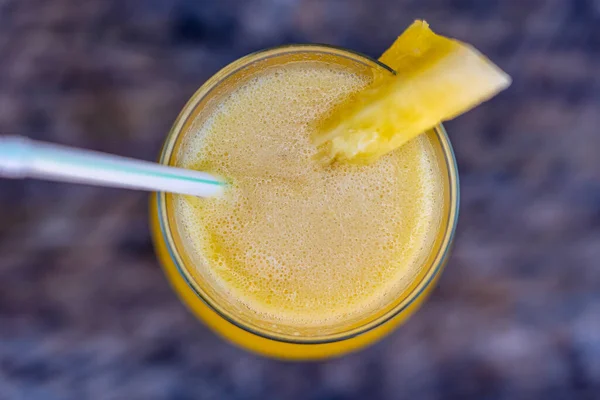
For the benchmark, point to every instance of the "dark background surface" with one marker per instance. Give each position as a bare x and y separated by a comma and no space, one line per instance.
86,313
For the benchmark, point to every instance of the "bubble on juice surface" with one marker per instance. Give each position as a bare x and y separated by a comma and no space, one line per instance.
295,241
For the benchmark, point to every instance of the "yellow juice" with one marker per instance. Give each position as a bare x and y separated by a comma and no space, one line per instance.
296,247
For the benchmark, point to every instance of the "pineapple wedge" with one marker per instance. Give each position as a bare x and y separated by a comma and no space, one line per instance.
436,79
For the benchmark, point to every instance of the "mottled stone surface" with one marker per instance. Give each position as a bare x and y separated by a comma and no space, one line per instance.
85,312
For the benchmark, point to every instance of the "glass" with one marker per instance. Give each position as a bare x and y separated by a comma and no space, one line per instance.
215,309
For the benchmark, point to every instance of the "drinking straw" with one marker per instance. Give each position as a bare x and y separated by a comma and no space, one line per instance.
25,158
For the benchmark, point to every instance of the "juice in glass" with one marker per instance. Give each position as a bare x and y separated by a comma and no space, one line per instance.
299,259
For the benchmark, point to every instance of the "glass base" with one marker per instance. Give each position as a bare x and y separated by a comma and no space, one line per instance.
253,342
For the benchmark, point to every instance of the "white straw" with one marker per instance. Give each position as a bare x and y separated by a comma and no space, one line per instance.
25,158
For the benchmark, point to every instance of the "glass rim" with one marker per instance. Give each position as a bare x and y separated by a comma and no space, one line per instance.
449,221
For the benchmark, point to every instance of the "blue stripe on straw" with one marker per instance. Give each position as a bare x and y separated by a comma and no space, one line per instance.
110,166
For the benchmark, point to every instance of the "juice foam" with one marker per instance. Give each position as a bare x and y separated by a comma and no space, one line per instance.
295,241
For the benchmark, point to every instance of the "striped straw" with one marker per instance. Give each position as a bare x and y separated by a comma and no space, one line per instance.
25,158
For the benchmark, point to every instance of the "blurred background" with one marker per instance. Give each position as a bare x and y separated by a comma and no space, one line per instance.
86,313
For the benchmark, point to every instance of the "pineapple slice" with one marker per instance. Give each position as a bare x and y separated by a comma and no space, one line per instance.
436,79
